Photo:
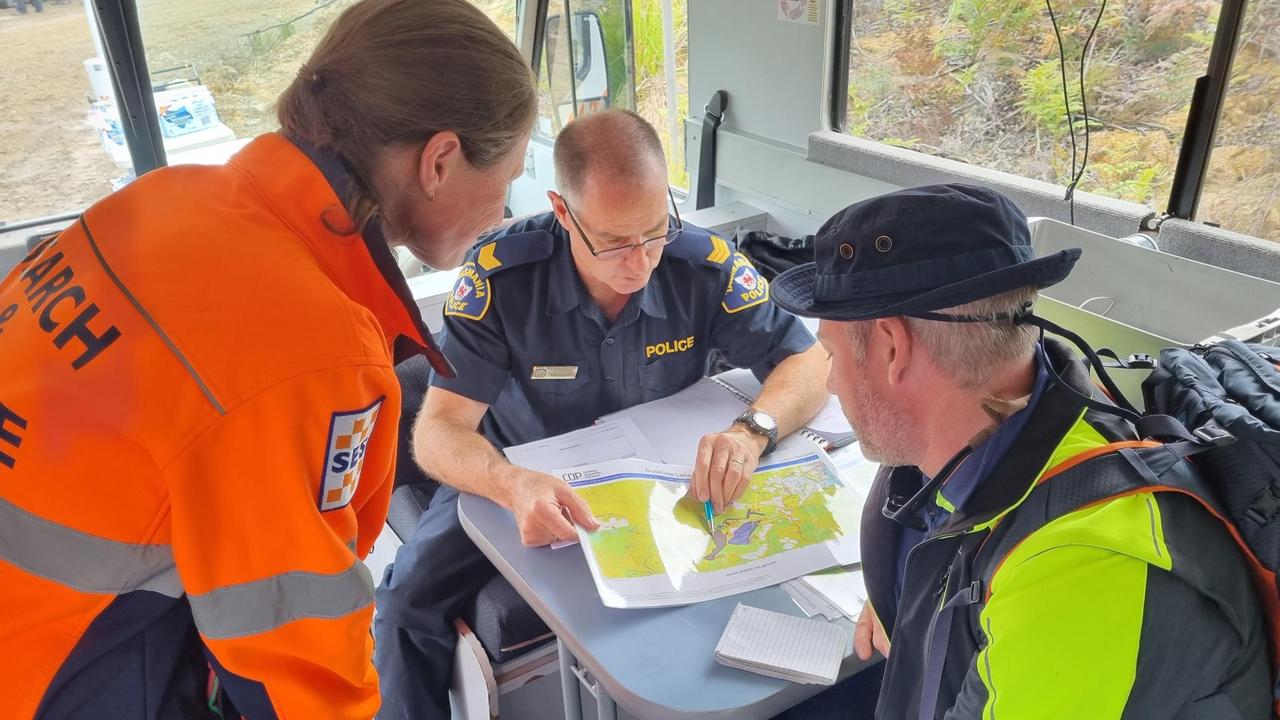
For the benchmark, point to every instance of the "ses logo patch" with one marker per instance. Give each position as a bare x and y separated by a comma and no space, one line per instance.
470,297
349,434
747,288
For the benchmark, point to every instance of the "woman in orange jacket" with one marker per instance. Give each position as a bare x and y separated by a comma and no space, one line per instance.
198,407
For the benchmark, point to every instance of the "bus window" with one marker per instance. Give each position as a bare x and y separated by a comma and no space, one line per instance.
1242,186
603,58
586,62
662,76
217,68
555,76
504,13
52,142
576,80
981,82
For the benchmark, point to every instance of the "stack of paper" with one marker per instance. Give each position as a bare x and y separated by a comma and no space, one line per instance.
833,594
610,440
810,602
783,646
858,472
675,424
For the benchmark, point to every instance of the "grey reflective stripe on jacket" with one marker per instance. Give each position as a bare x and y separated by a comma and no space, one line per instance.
262,605
82,561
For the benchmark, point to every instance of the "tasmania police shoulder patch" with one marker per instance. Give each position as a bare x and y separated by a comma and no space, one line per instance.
471,294
349,434
747,287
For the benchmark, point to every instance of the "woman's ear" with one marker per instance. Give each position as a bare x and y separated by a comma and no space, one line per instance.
439,161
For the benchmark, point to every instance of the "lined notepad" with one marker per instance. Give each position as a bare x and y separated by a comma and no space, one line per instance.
783,646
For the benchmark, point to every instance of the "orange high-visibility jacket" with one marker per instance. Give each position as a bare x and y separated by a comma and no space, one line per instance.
197,423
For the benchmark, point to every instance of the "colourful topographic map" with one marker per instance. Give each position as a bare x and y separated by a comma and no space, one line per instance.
649,526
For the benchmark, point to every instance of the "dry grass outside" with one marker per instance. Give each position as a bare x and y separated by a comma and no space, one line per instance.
50,158
244,51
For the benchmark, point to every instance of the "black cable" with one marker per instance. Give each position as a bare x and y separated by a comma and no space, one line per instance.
1077,168
1066,102
1084,99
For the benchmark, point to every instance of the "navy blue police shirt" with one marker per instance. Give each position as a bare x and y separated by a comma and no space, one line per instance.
529,341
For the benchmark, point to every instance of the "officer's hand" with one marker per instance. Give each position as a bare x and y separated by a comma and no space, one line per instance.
724,465
868,635
546,509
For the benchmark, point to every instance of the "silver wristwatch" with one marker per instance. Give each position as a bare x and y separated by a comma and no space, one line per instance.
760,423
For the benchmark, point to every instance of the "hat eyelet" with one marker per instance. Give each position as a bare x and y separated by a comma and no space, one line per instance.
884,243
846,251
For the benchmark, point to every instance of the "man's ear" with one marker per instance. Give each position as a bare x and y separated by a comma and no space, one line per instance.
898,347
559,209
439,161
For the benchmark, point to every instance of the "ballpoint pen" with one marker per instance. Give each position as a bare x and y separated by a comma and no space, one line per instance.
711,528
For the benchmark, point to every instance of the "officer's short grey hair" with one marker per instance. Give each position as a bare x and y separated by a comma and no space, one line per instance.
617,142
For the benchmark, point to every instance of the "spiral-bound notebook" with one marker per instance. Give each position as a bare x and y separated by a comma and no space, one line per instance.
828,428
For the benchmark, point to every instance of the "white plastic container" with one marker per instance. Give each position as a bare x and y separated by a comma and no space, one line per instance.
185,110
99,80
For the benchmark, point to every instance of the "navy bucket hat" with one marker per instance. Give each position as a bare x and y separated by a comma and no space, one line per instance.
915,251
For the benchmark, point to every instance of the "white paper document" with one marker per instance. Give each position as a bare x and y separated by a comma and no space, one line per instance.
783,646
654,548
858,472
830,420
809,602
675,424
840,588
606,440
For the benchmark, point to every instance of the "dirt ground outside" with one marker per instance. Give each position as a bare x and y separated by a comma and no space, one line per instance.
51,161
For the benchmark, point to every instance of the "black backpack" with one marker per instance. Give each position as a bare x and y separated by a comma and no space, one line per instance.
1233,387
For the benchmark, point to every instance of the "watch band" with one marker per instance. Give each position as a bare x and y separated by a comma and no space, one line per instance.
747,418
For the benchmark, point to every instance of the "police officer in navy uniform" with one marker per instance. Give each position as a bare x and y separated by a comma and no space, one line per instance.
607,302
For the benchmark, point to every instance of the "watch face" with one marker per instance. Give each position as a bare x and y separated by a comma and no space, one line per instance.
763,421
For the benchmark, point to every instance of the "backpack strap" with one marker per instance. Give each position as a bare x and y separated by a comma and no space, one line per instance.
1093,477
1109,472
970,594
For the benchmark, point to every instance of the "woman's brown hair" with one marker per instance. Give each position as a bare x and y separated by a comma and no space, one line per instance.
393,73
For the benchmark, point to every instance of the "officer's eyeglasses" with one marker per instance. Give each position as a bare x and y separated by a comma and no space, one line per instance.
617,253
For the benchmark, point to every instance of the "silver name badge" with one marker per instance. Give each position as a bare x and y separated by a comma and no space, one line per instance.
554,372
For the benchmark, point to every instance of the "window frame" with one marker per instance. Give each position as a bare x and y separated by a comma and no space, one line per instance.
121,33
842,27
1194,152
118,26
1207,101
566,8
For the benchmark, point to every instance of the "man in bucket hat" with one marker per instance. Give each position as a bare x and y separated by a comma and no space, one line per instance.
1136,607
